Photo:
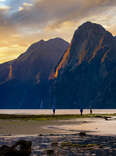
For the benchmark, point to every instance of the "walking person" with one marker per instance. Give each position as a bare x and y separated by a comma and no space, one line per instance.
81,111
91,112
54,110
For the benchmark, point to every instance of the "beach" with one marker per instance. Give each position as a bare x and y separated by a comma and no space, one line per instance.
95,126
62,135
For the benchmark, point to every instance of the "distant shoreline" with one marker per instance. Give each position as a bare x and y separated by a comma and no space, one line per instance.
58,111
53,117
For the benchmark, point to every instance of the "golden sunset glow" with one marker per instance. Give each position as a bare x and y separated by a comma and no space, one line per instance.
10,72
97,49
63,61
27,21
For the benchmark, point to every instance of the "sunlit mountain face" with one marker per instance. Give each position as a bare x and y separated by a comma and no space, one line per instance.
23,22
24,82
62,62
54,72
87,76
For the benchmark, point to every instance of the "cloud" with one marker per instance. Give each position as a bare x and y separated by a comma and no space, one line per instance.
27,4
46,12
4,7
42,13
25,21
20,9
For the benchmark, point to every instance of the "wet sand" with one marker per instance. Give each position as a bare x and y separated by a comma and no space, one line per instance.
33,127
62,136
96,126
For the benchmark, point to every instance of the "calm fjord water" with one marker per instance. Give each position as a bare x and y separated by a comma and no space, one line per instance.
58,111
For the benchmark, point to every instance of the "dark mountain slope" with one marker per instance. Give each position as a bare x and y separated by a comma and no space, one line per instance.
24,82
87,69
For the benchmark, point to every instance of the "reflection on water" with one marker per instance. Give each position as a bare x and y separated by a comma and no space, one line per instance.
58,111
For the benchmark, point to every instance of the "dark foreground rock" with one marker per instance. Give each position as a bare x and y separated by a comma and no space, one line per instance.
20,148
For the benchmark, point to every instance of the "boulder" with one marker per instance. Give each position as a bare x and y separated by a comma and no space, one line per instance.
20,148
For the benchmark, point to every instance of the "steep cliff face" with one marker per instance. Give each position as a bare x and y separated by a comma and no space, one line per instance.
89,63
25,80
85,72
40,60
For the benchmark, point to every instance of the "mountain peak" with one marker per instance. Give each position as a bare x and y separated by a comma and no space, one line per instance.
90,25
43,42
89,30
90,42
57,39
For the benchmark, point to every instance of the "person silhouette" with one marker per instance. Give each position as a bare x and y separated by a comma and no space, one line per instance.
81,111
54,110
91,111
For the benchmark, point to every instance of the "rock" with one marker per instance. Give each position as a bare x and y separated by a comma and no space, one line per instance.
54,144
50,152
82,134
107,118
20,148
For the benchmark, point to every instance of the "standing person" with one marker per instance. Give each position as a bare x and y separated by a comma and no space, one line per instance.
54,110
81,111
91,112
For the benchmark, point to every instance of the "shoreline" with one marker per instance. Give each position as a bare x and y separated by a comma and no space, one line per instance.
53,117
61,133
58,124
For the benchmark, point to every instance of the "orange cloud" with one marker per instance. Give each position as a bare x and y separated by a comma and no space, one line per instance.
33,20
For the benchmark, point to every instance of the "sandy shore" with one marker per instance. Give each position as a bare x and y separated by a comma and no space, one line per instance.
96,126
64,134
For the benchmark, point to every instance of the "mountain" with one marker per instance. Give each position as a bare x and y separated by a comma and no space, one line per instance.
86,74
79,74
24,82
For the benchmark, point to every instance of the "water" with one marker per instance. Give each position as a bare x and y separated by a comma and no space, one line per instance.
58,111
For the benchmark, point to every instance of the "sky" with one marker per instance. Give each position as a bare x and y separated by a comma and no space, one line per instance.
23,22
